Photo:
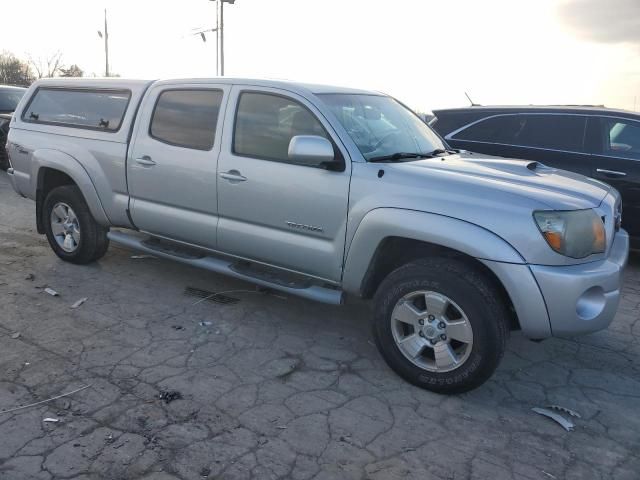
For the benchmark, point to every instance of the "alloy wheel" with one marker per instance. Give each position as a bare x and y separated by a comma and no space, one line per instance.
432,331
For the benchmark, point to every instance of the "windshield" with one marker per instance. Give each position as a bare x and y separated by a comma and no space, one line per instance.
9,99
381,126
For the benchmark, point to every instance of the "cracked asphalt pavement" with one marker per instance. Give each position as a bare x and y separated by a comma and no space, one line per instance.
276,387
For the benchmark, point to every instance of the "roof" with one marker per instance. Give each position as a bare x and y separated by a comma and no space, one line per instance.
128,83
275,83
578,109
11,87
90,82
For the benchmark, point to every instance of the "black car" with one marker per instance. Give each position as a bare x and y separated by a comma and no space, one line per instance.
9,98
595,141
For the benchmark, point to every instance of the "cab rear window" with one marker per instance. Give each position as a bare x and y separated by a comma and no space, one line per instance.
79,108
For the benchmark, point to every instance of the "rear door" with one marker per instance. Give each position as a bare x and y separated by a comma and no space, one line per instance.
272,210
171,166
617,162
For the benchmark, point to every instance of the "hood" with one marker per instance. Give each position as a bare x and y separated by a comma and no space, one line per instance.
558,189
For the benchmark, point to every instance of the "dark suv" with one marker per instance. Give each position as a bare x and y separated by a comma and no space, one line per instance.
9,98
595,141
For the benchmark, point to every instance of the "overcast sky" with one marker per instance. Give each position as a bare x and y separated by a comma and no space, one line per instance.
425,52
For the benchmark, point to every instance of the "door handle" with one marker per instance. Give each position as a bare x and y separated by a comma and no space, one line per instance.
233,176
146,161
611,173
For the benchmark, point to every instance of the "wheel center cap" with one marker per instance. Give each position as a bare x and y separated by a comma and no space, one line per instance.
430,331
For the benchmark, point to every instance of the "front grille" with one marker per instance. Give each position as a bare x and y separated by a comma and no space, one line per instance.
607,210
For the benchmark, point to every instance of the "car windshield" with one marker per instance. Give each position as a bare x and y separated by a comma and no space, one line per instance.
9,99
381,126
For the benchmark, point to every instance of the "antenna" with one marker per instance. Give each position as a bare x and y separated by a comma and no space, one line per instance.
471,101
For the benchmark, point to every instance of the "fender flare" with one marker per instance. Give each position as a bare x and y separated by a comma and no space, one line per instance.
453,233
65,163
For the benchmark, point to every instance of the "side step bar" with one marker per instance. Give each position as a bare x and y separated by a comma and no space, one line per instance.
219,265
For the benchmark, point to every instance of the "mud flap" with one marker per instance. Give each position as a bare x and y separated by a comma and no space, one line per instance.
39,203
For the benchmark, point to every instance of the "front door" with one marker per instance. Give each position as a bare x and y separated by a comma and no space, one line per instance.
273,210
171,166
617,162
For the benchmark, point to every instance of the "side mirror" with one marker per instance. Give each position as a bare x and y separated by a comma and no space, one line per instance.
311,150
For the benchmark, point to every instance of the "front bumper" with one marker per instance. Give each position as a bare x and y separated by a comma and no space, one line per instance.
565,300
583,298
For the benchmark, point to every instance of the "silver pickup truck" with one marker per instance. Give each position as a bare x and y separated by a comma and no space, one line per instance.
322,191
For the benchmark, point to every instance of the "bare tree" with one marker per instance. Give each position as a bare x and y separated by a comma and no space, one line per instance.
47,67
14,71
72,71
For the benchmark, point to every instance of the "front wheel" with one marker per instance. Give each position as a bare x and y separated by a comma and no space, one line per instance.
71,230
440,324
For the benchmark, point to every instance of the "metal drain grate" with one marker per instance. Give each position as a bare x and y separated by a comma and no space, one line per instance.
210,296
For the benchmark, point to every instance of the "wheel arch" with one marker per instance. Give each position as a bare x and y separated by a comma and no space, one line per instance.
389,238
51,169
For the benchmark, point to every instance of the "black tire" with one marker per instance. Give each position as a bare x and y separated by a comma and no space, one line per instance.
4,159
93,242
473,292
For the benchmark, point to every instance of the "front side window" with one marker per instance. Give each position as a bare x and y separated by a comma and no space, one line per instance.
622,138
381,126
266,123
557,132
186,118
93,109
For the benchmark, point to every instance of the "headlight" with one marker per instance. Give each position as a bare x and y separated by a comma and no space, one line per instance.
574,233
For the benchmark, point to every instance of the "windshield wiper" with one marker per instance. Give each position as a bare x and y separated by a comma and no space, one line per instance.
442,151
394,157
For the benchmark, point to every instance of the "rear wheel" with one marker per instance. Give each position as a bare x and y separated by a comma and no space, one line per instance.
440,324
71,230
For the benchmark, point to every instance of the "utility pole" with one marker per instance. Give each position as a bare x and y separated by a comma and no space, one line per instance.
217,40
106,44
220,28
221,38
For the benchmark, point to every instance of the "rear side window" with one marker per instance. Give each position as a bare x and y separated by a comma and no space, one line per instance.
186,118
557,132
80,108
500,129
622,138
265,124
